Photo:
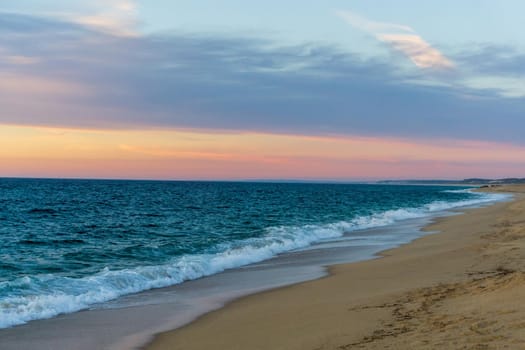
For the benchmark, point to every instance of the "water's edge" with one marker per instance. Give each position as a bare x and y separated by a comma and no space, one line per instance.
169,308
417,225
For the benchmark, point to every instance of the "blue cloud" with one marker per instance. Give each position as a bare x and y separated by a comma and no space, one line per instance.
493,59
238,83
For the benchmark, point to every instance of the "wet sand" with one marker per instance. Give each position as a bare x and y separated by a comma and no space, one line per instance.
107,326
460,289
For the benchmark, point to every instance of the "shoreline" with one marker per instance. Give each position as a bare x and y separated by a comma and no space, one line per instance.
108,326
373,303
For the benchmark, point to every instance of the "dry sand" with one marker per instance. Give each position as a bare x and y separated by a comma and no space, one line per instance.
460,289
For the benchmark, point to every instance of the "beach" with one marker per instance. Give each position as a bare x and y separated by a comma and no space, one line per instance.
237,239
222,175
458,289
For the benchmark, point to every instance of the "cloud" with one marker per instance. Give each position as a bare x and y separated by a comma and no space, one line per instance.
238,84
489,59
401,38
112,17
17,59
512,87
20,85
373,27
116,17
108,23
417,50
494,68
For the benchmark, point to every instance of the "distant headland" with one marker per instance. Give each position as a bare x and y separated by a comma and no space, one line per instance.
470,181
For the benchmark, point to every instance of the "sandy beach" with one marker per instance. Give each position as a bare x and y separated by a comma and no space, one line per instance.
459,289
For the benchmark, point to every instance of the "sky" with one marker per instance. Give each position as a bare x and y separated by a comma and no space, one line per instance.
226,90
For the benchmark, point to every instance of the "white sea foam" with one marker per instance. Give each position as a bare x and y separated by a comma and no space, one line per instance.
46,296
463,190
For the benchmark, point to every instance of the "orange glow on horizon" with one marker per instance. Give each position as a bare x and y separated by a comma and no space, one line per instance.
176,154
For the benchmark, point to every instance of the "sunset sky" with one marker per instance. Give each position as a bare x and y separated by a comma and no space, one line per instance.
232,89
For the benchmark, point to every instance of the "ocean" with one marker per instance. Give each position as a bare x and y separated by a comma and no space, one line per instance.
67,245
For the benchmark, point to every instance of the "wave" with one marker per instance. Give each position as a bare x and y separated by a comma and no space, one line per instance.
45,296
463,190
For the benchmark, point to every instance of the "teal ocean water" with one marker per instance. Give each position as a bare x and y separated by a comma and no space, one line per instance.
68,244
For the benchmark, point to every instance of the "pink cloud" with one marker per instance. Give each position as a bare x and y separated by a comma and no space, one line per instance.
401,38
421,53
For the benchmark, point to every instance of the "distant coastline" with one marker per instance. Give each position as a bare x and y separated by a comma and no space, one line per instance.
464,182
